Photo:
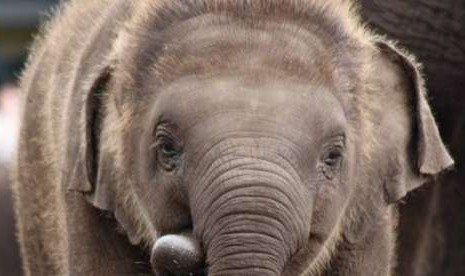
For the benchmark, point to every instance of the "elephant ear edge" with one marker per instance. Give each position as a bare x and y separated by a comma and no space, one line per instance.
91,166
429,156
94,169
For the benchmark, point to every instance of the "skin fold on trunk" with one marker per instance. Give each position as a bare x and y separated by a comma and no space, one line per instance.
248,231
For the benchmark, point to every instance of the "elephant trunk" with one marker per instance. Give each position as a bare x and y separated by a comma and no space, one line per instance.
251,221
248,242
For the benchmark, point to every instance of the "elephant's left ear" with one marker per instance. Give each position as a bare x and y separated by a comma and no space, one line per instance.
426,154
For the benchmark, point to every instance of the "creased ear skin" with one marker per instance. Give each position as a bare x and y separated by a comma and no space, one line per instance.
91,158
92,168
100,164
426,155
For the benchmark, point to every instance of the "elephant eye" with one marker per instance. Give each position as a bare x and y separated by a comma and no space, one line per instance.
167,148
332,161
168,153
333,157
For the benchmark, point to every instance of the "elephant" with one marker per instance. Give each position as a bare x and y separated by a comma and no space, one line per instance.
214,137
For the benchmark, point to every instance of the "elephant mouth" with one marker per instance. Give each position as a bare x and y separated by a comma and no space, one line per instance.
178,255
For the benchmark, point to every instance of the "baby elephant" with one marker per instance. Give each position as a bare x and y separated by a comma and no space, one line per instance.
219,137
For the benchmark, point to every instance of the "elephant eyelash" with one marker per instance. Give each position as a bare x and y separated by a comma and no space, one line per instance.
167,149
160,142
338,141
163,132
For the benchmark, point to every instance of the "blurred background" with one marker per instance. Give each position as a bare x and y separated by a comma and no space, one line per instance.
432,219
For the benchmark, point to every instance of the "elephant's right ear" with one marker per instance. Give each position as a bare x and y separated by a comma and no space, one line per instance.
90,169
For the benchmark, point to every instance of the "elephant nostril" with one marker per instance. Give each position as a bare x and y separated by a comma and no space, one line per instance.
178,255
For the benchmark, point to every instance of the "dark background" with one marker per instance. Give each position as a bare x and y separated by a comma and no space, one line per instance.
432,225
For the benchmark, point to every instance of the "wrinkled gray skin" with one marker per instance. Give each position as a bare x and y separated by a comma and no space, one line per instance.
231,138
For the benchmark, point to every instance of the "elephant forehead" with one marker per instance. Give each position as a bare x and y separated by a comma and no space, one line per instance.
240,103
204,46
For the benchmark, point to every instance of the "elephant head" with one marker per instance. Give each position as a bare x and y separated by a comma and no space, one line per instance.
242,138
